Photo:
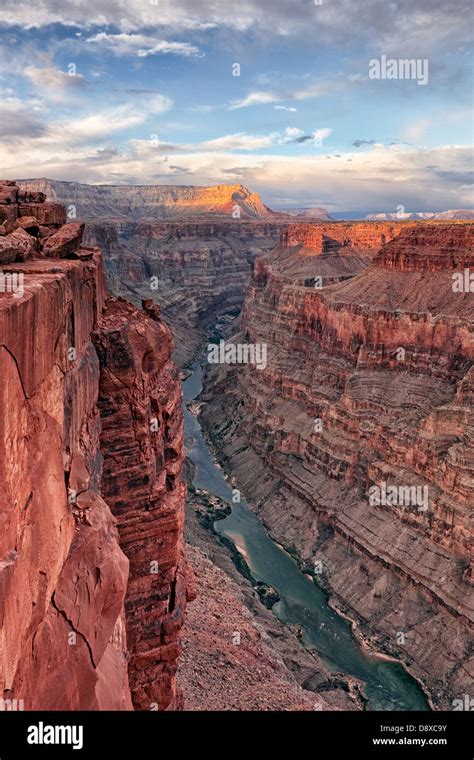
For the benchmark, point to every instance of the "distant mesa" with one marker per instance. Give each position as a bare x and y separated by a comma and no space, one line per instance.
317,213
153,202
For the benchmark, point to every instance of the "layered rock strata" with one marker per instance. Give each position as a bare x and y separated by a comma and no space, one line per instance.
152,202
368,385
64,577
190,249
140,404
195,270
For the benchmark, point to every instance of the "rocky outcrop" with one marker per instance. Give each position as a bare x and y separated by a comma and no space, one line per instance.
64,576
323,238
142,444
367,385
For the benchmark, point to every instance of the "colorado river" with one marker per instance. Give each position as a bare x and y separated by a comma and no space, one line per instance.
387,686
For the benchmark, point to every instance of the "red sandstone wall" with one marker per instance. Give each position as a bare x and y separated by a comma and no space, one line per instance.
140,404
64,577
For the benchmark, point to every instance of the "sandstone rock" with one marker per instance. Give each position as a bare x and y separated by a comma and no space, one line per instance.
142,444
45,213
63,575
44,232
8,194
16,246
28,223
63,583
8,227
8,212
65,241
26,196
382,357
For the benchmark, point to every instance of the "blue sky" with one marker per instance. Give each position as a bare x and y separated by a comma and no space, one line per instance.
143,91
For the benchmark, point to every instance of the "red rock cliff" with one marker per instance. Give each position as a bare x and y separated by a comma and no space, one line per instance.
140,403
64,576
368,380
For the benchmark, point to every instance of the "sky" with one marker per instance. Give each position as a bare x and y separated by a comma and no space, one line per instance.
278,96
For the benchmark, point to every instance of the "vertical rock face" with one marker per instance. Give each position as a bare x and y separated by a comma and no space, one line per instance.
368,381
63,574
142,443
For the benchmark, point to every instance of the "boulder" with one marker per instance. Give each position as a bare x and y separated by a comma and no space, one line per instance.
8,211
16,246
8,226
45,213
65,241
28,223
8,194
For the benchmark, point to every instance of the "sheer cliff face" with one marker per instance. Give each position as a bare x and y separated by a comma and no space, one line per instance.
368,385
140,404
64,569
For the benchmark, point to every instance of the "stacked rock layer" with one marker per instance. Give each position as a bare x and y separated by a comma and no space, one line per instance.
69,604
368,384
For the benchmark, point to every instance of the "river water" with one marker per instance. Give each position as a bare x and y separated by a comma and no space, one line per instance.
387,685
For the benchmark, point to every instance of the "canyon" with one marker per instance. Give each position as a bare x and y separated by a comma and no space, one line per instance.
93,579
182,247
368,381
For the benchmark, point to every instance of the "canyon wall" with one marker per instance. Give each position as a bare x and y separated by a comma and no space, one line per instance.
180,246
368,384
152,202
140,404
78,628
195,271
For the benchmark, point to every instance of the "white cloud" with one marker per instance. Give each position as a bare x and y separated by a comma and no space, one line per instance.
379,179
285,108
256,98
141,45
18,121
316,89
239,141
57,85
293,132
405,24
